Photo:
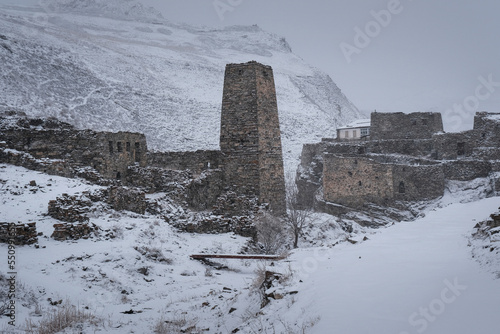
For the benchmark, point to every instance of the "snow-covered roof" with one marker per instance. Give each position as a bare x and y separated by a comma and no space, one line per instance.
360,123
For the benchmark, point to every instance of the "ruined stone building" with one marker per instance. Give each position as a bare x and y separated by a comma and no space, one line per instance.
407,158
108,153
249,163
250,138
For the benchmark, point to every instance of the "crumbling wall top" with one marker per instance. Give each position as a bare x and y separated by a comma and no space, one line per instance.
418,125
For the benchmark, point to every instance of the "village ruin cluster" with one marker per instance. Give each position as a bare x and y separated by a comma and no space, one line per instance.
405,157
391,158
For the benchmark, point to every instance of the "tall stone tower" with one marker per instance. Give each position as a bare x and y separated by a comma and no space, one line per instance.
250,137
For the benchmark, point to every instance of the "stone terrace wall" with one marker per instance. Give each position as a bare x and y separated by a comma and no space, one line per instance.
466,170
420,125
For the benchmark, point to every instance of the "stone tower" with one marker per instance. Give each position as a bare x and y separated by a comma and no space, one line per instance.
250,137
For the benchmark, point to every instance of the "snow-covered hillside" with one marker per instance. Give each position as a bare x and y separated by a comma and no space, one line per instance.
412,277
115,65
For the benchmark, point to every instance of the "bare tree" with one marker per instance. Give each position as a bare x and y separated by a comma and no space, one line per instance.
297,218
270,233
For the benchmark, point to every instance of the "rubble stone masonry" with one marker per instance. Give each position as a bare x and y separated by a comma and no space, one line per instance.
250,138
408,157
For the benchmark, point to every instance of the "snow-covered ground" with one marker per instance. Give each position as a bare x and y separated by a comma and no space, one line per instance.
411,277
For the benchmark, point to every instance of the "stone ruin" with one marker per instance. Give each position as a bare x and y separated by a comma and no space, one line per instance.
249,163
250,138
18,233
408,157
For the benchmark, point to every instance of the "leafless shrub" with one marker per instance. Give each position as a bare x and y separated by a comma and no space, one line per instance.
176,325
260,276
117,231
153,253
297,218
64,317
271,233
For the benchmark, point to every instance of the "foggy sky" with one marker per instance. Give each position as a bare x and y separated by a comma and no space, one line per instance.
402,55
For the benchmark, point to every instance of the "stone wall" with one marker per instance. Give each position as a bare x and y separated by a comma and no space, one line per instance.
250,136
63,231
466,170
419,125
353,181
204,190
452,146
121,198
309,174
418,182
70,208
19,234
155,179
218,224
196,161
410,147
75,208
488,127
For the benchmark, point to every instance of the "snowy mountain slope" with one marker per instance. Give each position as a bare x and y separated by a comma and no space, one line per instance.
118,66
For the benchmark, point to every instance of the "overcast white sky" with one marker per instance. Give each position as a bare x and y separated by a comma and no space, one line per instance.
427,56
